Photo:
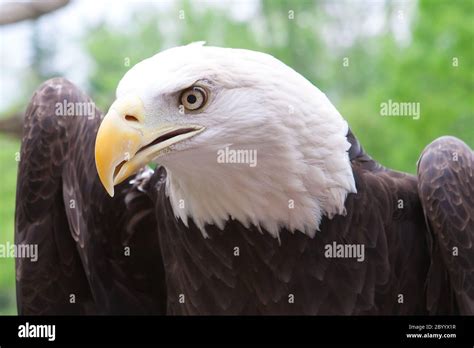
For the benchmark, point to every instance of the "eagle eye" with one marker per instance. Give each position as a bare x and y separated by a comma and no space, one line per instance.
193,98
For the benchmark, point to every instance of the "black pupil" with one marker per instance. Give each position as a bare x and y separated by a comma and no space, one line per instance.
191,99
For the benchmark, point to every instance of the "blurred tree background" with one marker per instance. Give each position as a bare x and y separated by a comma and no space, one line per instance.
360,53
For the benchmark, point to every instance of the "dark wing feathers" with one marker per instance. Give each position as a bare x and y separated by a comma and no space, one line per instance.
446,189
45,286
81,233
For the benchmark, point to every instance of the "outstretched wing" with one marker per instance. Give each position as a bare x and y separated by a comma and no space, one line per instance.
96,254
446,189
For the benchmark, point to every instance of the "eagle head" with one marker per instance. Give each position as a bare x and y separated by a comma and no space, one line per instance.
241,135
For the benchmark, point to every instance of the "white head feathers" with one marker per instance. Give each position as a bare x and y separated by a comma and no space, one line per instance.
260,106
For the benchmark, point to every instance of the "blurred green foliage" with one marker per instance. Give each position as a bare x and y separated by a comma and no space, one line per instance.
421,70
8,150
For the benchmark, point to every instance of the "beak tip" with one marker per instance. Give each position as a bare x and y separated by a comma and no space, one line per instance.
111,192
107,183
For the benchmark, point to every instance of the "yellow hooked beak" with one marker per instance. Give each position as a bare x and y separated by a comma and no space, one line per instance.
125,142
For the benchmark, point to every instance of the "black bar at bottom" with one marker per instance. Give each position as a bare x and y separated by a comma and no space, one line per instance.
446,330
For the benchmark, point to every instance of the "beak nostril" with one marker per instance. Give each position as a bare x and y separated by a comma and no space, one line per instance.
131,118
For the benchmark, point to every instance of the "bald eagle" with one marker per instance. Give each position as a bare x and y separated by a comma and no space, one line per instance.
262,200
